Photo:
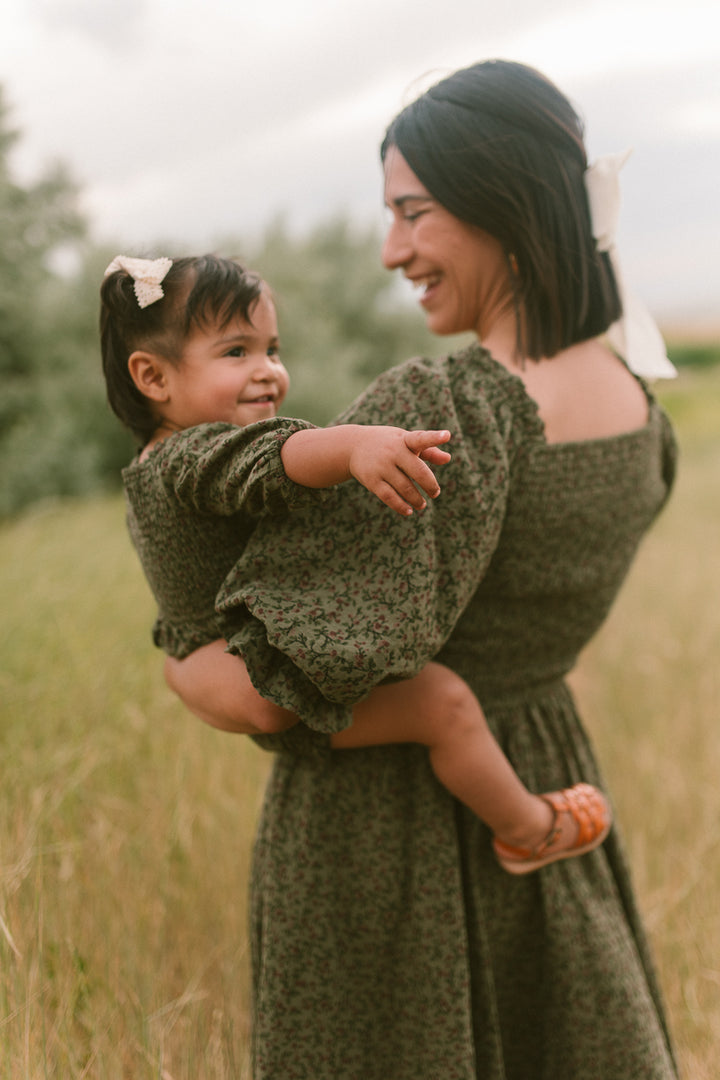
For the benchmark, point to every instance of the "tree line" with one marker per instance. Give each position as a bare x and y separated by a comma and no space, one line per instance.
341,323
339,327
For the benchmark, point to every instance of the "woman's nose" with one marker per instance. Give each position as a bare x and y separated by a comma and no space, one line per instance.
396,249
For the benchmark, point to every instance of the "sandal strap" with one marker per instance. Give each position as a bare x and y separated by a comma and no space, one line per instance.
588,809
586,806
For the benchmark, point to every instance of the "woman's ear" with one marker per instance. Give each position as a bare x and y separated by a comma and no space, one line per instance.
147,371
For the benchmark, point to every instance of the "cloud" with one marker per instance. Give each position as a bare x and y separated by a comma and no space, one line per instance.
102,22
192,122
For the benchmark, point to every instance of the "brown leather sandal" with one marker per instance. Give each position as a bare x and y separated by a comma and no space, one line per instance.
588,808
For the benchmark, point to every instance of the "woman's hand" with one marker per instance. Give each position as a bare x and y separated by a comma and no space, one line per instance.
215,686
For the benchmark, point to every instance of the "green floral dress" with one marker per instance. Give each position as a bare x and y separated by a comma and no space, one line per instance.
387,942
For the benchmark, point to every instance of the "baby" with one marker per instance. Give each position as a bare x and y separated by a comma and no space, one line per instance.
192,363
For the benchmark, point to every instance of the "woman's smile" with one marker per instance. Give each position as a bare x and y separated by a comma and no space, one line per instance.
461,271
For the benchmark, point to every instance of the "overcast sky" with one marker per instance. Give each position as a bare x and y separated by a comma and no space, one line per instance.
193,120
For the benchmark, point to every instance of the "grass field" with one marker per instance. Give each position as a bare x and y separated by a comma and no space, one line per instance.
125,825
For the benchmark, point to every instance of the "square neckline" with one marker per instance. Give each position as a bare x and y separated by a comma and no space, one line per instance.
532,410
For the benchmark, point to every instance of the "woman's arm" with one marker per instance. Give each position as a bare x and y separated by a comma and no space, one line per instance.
388,461
215,686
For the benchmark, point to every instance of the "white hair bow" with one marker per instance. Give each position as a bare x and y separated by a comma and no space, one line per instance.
147,275
635,335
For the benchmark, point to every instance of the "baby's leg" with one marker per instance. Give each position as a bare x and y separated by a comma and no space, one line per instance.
438,710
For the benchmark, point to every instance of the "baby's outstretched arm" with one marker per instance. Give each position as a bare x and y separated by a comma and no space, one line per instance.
390,462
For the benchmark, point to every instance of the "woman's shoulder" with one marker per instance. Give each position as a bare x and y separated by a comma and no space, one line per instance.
468,383
475,371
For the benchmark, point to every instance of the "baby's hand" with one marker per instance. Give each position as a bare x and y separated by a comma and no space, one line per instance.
391,462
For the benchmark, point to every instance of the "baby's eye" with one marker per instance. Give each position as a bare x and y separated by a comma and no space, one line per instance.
274,352
237,350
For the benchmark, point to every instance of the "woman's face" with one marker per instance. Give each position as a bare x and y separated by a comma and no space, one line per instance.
461,270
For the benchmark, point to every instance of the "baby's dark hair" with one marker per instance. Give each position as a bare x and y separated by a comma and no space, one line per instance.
197,291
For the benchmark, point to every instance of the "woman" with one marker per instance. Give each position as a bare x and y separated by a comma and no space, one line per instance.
387,942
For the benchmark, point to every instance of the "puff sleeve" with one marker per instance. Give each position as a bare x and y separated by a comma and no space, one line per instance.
327,603
220,469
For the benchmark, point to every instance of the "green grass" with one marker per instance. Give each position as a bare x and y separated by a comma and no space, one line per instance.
125,825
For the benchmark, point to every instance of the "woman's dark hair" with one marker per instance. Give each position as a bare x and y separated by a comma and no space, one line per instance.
197,291
500,147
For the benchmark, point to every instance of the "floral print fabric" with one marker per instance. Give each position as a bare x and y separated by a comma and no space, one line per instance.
387,942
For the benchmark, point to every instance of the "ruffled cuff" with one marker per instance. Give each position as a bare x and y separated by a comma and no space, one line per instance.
299,741
278,679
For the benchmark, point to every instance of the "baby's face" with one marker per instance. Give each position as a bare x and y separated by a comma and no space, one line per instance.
233,375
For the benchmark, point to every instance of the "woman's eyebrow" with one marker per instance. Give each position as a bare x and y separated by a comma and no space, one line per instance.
398,201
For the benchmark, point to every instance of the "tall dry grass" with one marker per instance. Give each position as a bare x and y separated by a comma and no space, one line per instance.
649,687
125,825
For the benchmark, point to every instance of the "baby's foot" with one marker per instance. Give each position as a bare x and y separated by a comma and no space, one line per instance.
582,820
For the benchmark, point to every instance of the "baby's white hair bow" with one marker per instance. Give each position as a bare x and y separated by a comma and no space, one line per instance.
147,275
636,335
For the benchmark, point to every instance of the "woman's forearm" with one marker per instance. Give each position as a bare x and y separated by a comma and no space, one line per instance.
215,686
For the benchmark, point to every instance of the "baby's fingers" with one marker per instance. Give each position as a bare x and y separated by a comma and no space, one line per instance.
436,456
425,445
421,441
390,497
399,491
421,475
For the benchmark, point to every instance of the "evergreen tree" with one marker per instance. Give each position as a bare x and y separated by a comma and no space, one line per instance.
341,323
35,221
54,436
